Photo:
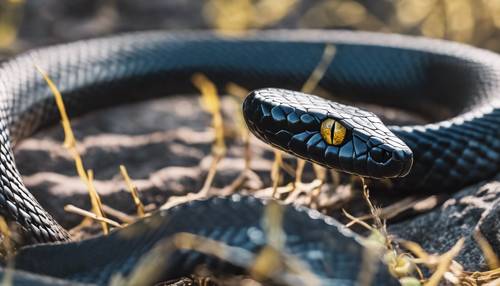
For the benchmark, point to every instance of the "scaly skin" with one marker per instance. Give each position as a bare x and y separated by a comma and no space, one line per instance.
407,72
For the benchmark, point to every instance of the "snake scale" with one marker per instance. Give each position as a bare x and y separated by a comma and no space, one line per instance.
460,148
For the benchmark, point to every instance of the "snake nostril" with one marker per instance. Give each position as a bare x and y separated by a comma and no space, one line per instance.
400,155
379,155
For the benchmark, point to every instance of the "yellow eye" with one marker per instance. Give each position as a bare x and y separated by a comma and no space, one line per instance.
332,132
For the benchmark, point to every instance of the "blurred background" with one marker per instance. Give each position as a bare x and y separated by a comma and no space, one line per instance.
28,23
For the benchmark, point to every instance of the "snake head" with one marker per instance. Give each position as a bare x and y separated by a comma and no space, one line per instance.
330,134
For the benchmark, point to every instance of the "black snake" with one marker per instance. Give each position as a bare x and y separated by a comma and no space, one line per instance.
416,74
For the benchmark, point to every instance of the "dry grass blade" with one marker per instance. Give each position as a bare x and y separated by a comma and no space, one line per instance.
301,163
417,250
487,249
466,278
134,192
319,71
399,264
375,245
374,211
443,265
287,167
79,211
240,94
482,278
70,144
151,265
398,207
211,174
320,173
355,220
69,137
237,90
369,264
275,171
177,200
211,103
271,261
445,261
96,201
308,87
123,217
8,247
273,220
273,264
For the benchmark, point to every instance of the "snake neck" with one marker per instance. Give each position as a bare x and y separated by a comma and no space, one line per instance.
453,154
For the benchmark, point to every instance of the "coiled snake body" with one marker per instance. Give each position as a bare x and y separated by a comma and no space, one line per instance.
463,147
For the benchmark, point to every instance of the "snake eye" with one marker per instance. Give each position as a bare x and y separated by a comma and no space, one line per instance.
332,132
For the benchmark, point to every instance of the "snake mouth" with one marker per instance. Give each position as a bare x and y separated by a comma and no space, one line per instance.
327,133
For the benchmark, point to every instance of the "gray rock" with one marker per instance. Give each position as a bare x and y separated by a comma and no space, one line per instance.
475,207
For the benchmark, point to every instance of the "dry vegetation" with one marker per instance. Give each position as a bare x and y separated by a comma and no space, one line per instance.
472,21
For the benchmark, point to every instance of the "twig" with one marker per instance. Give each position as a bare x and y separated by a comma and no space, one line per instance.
356,220
96,200
373,210
487,249
444,263
275,171
125,218
211,174
82,212
133,191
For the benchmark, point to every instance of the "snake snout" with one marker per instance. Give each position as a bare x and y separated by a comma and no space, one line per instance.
327,133
386,161
406,157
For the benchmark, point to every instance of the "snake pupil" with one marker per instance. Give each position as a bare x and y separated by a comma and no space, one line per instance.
332,132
